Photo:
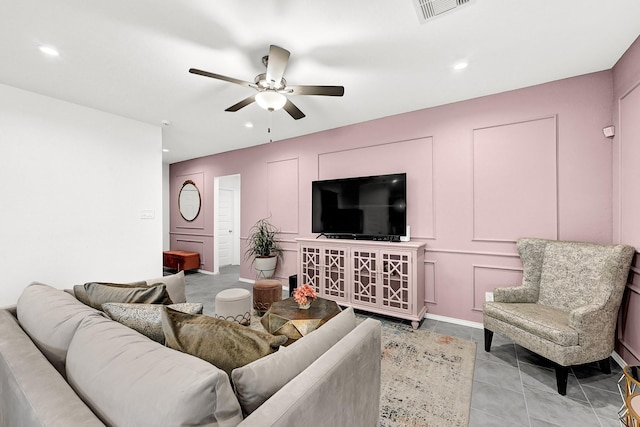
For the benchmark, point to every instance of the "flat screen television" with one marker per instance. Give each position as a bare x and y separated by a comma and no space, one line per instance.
370,207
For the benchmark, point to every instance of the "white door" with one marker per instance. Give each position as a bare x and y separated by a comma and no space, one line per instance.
225,231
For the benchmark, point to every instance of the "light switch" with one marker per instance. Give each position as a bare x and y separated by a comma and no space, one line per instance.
147,214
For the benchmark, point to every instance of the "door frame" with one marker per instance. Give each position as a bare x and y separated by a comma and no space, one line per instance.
236,220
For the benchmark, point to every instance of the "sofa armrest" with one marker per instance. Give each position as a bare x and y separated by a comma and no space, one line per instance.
515,294
341,388
13,309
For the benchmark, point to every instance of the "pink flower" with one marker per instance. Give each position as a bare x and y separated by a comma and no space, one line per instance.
304,293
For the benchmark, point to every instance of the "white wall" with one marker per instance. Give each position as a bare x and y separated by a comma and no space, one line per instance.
73,183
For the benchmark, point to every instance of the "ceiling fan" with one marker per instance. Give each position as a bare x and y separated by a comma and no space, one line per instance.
272,87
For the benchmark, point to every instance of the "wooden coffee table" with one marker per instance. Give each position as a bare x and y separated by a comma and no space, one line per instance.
285,318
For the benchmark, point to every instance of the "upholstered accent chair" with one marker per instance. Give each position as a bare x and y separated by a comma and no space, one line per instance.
567,306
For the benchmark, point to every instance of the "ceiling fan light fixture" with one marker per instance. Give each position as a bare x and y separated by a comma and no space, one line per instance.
271,100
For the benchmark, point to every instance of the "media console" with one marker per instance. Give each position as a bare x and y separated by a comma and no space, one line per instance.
379,277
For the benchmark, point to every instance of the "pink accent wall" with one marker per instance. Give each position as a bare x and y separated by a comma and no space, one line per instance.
626,203
481,173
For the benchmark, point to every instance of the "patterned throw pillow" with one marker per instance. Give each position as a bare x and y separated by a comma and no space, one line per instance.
224,344
146,318
99,293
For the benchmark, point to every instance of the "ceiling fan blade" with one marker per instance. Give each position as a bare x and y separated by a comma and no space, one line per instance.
277,62
221,77
293,111
242,104
316,90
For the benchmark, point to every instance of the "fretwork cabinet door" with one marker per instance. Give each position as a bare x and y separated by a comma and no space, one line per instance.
396,281
334,285
325,268
364,277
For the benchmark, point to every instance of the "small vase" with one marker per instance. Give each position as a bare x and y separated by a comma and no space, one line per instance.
304,306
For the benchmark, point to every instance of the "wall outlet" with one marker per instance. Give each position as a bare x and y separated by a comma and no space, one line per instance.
488,296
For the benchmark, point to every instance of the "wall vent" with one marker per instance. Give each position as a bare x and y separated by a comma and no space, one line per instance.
428,9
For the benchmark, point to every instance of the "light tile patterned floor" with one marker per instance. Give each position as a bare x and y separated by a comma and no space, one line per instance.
511,387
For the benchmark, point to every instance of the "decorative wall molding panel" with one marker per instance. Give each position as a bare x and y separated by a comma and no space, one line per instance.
430,282
283,194
629,139
488,277
515,188
415,157
191,245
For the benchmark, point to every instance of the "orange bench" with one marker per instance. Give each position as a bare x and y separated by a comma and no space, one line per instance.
181,260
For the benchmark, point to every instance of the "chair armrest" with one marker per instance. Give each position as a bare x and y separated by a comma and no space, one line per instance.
587,318
515,294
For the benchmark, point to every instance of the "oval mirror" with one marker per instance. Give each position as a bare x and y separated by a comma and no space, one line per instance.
189,201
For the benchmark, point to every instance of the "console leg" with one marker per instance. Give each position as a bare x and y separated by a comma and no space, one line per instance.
562,374
415,324
488,337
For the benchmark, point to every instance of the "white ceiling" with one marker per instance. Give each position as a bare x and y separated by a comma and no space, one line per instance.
131,57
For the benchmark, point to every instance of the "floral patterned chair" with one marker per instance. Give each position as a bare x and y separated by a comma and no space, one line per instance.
567,306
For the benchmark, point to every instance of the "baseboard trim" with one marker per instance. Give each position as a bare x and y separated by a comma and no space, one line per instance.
242,279
618,359
455,321
210,273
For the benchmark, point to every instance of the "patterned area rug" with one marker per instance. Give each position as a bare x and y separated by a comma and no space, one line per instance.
427,378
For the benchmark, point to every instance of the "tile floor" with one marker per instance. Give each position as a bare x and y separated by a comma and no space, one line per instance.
511,387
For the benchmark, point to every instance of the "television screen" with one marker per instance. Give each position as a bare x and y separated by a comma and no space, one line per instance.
373,206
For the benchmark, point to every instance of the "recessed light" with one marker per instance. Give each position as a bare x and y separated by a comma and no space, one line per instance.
165,150
49,50
460,66
248,125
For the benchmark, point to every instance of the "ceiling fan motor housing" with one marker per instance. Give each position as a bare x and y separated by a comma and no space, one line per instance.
428,9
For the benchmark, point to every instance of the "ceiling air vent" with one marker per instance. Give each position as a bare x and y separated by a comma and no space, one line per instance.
428,9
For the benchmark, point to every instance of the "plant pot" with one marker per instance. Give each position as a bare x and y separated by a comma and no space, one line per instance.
265,266
304,306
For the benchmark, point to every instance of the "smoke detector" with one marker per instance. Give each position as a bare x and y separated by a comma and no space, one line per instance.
428,9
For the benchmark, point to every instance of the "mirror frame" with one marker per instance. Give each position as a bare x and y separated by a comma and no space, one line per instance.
189,182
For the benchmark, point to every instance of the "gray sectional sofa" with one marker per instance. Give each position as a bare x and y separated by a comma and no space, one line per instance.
65,364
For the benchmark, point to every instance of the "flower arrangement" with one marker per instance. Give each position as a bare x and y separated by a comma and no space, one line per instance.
304,295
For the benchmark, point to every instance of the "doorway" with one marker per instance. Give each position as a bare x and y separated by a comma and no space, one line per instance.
226,221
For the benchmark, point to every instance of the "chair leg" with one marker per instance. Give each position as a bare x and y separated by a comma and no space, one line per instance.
488,336
562,374
605,366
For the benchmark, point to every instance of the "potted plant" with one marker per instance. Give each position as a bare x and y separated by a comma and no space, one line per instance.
263,247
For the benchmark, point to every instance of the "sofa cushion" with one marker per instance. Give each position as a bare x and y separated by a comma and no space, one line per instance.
175,286
32,392
100,293
146,318
130,380
543,321
225,344
50,317
258,381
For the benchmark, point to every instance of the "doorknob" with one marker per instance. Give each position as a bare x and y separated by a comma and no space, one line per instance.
230,231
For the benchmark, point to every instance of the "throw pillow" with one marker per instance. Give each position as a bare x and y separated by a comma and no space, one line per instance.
258,381
225,344
175,286
81,295
99,293
146,318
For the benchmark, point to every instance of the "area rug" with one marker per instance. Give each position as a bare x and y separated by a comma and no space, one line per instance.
427,378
